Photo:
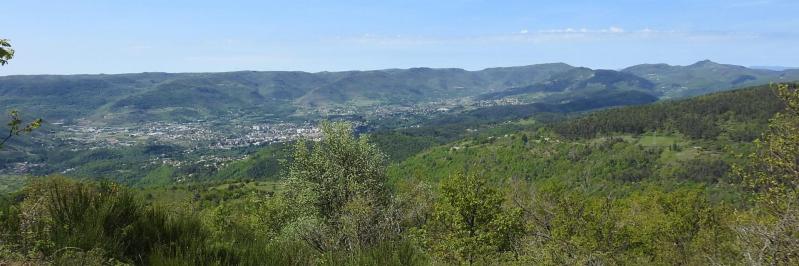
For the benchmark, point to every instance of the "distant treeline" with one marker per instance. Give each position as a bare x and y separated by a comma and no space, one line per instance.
746,111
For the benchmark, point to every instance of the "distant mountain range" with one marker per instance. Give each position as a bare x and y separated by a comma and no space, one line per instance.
706,76
168,96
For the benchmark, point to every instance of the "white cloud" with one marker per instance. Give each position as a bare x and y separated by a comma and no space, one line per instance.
613,29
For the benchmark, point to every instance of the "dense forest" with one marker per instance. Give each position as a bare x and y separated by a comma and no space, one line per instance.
707,180
703,117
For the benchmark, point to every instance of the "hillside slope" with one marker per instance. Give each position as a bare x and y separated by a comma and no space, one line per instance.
125,98
200,95
691,140
706,76
453,143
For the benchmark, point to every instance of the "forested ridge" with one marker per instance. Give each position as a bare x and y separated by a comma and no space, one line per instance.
706,180
154,96
701,117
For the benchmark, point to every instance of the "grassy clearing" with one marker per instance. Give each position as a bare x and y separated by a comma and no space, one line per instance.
261,186
11,183
168,197
526,122
660,140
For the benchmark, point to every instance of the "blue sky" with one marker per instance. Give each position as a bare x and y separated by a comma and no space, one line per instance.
66,37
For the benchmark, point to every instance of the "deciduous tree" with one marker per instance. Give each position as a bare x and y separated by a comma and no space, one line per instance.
470,224
774,174
6,53
17,127
339,186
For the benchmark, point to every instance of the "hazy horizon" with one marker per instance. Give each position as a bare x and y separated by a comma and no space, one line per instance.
86,37
759,67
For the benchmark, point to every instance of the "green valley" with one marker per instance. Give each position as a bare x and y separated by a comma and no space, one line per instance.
662,183
384,133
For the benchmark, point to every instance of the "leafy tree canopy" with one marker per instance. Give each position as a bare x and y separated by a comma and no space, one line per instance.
6,53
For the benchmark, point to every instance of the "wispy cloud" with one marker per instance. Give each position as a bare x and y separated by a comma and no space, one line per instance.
612,29
552,36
